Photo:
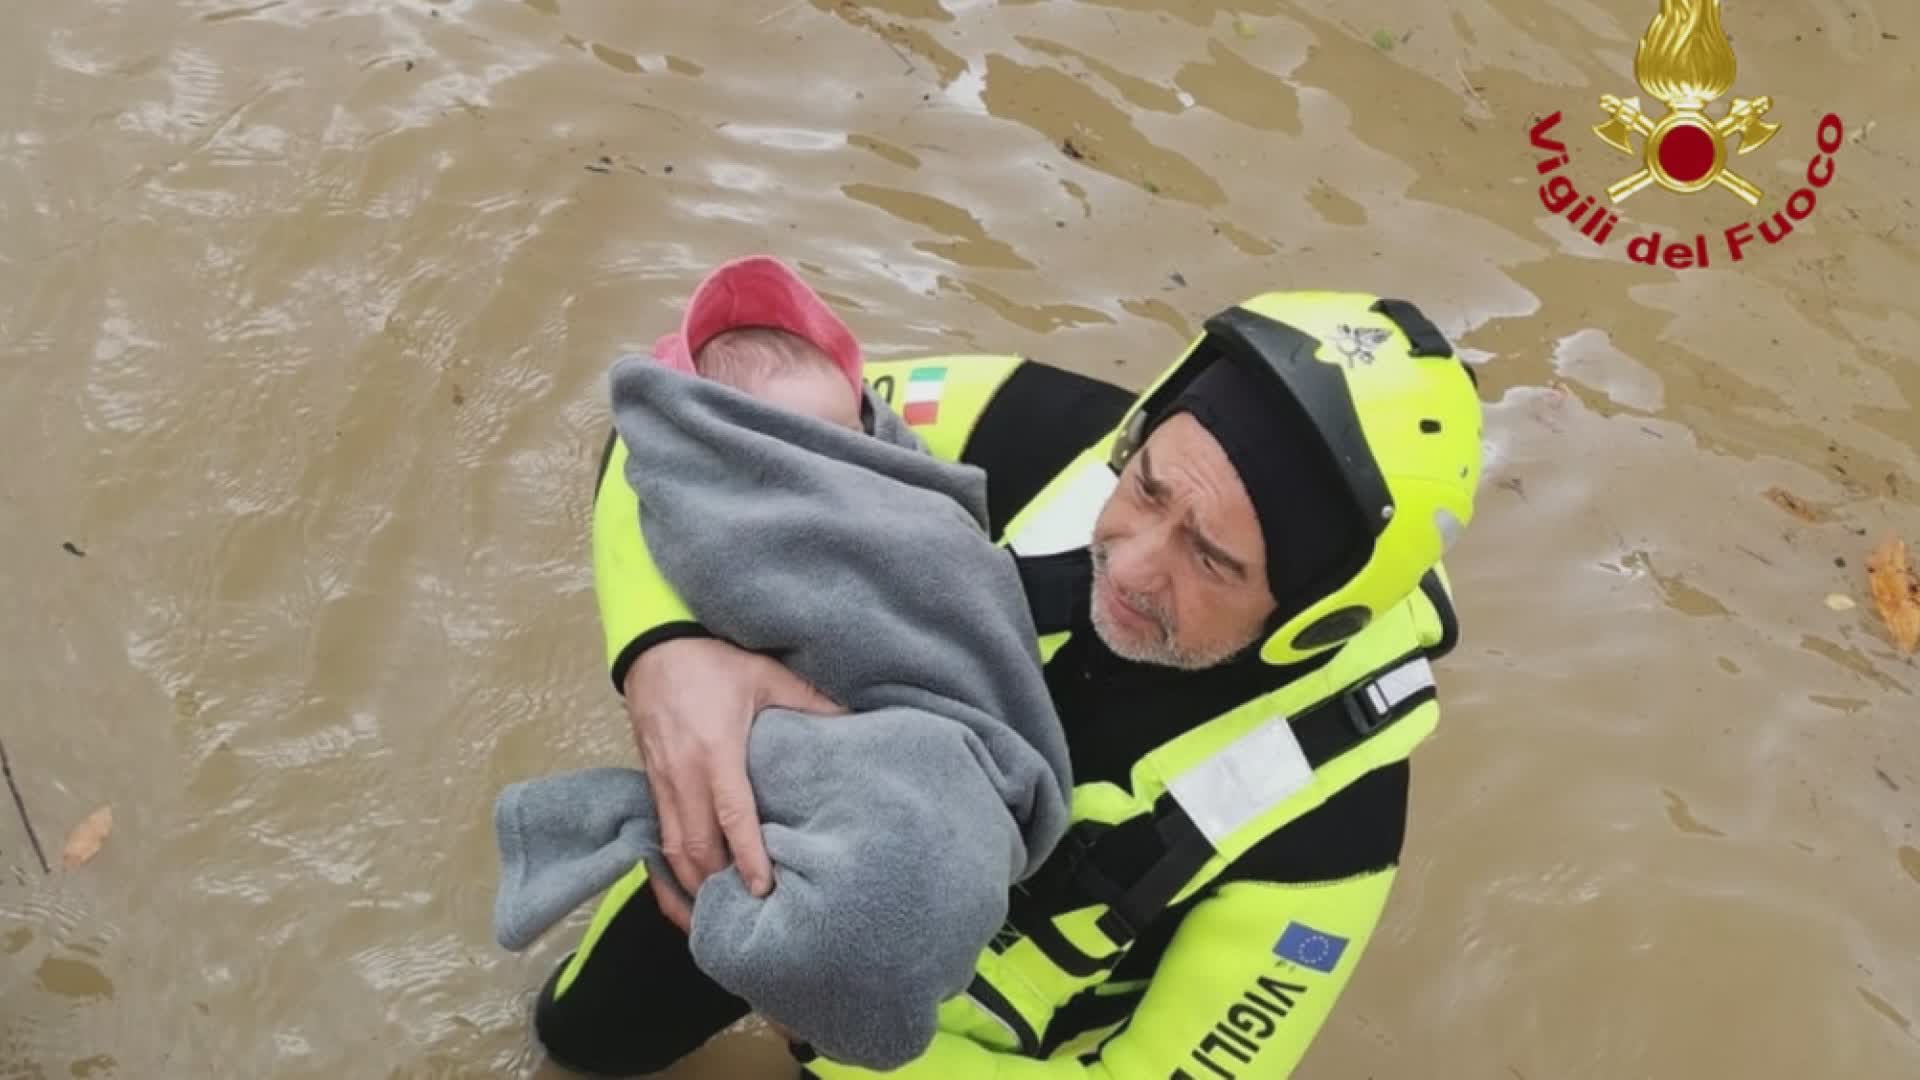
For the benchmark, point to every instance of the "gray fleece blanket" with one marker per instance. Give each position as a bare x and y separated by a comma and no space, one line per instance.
862,563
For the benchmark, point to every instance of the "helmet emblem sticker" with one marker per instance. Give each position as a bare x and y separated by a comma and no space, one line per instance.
1357,343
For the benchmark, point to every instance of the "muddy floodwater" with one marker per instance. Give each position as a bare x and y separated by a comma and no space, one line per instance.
305,310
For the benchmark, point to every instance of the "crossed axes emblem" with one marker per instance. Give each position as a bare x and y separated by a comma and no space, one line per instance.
1743,119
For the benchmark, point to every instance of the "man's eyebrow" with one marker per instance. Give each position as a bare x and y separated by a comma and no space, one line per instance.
1146,470
1199,539
1214,551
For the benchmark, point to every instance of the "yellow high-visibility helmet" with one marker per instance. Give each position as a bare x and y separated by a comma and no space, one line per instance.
1379,386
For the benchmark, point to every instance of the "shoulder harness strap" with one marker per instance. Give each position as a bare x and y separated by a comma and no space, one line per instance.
1436,593
1176,847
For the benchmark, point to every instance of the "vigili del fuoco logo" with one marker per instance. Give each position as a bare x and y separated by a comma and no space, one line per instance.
1686,63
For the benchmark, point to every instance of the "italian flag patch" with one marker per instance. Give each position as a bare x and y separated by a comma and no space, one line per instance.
921,402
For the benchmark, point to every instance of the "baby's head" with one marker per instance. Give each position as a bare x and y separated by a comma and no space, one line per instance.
782,368
754,325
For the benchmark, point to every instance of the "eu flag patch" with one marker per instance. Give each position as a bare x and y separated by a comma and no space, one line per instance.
1310,948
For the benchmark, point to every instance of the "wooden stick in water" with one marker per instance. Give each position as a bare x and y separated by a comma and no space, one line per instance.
6,767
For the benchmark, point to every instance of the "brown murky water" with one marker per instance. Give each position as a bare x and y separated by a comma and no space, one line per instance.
304,311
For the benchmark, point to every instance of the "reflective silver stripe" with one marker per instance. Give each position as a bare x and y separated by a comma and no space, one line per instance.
1065,521
1257,771
1242,780
1389,690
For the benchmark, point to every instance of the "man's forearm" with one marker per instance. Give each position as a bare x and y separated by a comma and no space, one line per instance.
637,607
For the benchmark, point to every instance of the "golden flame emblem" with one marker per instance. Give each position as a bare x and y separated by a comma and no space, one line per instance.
1685,61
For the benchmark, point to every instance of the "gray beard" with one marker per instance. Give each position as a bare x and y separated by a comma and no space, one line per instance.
1164,652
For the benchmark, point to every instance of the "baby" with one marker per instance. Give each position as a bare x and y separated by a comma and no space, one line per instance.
781,368
865,565
752,324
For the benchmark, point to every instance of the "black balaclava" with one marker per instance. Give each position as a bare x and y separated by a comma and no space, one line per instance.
1307,519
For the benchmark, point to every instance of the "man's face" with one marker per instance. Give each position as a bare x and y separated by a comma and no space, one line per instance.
1179,565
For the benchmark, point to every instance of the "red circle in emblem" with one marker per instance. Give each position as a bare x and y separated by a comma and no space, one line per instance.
1686,153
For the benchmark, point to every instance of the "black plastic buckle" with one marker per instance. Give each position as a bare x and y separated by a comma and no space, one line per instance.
1068,879
1118,928
1362,717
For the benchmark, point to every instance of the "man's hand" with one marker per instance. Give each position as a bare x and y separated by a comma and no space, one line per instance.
692,702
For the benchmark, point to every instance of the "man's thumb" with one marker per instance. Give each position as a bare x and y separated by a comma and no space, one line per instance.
790,691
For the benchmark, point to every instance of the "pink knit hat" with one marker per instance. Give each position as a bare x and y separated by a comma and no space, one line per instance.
759,290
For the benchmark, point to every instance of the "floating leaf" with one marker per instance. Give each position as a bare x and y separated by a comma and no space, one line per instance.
1793,504
1383,40
1896,592
1840,602
85,840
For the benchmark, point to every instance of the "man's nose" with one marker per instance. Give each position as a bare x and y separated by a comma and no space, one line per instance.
1137,564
